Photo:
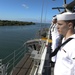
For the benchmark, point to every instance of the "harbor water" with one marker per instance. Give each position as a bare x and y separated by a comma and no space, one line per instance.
13,37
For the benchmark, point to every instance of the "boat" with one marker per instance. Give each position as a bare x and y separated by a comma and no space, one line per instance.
35,60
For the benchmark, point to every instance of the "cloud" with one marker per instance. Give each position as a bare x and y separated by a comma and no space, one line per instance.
25,6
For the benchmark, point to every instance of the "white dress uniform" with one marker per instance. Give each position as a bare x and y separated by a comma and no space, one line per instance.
55,39
65,62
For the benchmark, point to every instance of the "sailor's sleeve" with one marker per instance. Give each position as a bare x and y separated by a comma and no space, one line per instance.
73,63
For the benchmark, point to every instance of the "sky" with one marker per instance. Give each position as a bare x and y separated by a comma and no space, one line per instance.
29,10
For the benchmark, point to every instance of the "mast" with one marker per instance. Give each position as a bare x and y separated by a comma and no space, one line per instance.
66,7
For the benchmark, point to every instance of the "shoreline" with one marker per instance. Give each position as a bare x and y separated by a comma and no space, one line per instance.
15,23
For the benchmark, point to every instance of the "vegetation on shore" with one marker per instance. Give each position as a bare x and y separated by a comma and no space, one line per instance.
14,23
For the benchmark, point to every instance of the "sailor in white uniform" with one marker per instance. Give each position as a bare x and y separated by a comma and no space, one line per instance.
65,62
55,36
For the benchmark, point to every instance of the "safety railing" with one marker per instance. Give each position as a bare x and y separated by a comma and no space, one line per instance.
12,59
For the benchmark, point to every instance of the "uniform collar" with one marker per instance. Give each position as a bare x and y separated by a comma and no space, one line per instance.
72,36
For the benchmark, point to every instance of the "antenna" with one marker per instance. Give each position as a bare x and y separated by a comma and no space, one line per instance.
64,4
64,1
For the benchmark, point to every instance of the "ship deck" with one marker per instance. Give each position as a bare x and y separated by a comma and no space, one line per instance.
48,66
24,66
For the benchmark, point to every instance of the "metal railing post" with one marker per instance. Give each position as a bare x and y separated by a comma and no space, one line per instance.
14,60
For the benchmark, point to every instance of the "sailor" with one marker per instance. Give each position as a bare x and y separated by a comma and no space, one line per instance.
55,36
65,61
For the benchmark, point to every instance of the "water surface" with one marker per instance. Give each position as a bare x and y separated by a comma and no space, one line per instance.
13,37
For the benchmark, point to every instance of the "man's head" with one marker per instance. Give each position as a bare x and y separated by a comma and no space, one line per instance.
65,23
54,20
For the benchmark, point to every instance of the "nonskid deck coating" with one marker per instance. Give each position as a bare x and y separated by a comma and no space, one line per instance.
24,66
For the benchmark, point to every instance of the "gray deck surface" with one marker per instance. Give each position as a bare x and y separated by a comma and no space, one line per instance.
24,66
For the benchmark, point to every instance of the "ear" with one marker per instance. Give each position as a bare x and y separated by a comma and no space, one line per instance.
70,24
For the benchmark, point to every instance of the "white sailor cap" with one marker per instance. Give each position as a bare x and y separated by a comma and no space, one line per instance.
54,18
66,16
